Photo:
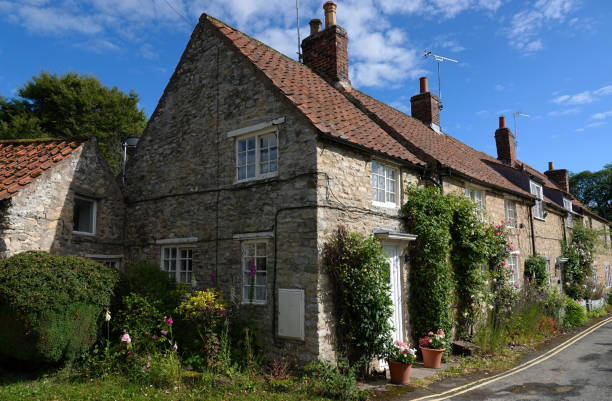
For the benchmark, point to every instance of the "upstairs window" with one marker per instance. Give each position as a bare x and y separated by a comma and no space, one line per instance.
178,262
510,213
84,216
538,209
257,156
477,196
567,204
384,185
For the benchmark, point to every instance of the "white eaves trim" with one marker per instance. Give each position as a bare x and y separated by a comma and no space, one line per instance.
98,256
393,235
261,234
170,241
255,127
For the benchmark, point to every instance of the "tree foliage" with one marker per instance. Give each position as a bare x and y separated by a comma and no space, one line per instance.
73,106
594,190
536,269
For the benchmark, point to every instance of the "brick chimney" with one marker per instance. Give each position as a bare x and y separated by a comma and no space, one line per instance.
326,51
559,177
424,106
504,139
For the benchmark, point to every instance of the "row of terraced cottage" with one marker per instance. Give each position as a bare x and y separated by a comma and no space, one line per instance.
251,160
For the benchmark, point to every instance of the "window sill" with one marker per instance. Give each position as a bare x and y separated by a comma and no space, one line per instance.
385,205
539,218
256,179
84,233
254,303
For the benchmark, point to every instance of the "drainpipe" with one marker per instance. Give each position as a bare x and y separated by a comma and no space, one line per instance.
533,245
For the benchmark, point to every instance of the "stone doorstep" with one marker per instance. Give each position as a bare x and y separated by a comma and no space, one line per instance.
418,371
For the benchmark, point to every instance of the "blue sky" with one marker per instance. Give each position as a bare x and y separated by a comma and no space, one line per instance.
550,59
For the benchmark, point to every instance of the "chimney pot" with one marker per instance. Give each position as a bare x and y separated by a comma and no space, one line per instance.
551,166
315,26
502,122
423,84
330,14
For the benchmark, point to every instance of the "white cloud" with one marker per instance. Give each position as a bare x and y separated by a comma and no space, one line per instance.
602,116
99,45
499,87
148,51
482,113
596,124
584,97
557,113
527,25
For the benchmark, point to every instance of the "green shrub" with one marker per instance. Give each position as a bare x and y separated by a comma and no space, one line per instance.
149,281
536,269
50,305
575,314
337,382
597,312
360,275
163,370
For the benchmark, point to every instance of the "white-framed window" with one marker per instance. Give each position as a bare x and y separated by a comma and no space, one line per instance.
384,185
510,207
257,155
478,197
254,272
607,271
515,269
567,204
84,215
538,208
178,262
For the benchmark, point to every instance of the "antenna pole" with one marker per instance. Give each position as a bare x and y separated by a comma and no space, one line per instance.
517,114
439,59
297,13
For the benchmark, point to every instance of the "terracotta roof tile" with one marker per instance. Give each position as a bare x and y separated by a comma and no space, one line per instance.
326,108
21,162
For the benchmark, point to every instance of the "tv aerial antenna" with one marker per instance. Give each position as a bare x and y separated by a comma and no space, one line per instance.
299,42
439,59
517,114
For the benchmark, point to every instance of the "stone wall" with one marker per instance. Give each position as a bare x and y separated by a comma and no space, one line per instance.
345,198
182,184
40,217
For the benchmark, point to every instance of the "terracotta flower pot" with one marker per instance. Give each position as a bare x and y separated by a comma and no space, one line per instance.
400,372
432,357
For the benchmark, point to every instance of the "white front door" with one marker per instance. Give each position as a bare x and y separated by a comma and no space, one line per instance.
393,255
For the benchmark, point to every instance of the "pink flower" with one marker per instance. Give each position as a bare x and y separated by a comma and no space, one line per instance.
170,321
430,333
441,332
175,346
126,338
154,337
164,332
514,271
567,283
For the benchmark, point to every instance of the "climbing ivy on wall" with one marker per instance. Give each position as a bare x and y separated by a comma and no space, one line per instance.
579,254
429,215
452,246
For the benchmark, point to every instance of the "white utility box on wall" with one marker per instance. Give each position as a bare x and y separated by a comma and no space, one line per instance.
291,313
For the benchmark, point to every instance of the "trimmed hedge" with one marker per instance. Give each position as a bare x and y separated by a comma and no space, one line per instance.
50,305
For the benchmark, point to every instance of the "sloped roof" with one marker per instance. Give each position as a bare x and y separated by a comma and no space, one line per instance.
355,117
326,108
22,161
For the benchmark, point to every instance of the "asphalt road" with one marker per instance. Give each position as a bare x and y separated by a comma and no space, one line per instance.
582,371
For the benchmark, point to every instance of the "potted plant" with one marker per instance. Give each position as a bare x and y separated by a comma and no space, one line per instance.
432,346
400,358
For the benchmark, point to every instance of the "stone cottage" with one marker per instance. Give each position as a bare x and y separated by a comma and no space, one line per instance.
251,160
248,164
59,196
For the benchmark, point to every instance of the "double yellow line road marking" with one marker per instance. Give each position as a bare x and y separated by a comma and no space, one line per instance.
526,365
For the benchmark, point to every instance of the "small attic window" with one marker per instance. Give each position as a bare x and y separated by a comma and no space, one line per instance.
84,215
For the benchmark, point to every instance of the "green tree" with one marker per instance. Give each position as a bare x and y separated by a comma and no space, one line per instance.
594,189
73,106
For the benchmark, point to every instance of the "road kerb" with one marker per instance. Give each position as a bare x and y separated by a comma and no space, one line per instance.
525,365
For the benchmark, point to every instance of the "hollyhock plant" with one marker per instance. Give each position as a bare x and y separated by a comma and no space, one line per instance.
125,338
